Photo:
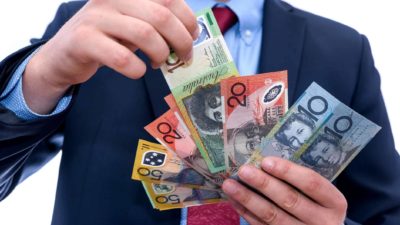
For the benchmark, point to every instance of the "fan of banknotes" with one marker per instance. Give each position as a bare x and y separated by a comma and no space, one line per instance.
218,121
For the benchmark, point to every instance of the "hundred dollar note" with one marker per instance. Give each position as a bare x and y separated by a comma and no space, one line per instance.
164,196
170,131
253,105
303,119
156,164
336,144
196,88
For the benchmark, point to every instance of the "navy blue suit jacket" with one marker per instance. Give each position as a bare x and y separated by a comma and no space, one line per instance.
106,119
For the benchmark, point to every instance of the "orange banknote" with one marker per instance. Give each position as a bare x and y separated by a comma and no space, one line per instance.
253,105
170,130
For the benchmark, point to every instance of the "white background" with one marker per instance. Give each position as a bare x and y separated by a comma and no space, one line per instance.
32,201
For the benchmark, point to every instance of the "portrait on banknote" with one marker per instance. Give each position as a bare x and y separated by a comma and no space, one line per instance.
296,130
205,109
245,139
324,155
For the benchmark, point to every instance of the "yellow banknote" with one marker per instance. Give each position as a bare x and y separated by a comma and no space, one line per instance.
164,197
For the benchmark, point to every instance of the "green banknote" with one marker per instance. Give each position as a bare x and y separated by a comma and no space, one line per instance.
196,89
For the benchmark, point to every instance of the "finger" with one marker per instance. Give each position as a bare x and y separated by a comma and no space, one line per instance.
257,205
109,52
306,180
165,22
246,214
138,33
184,14
280,193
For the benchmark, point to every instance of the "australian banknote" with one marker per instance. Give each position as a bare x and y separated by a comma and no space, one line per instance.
319,132
196,89
156,164
303,119
336,144
164,196
170,131
253,105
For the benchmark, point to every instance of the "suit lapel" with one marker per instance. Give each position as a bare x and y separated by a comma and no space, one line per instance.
282,42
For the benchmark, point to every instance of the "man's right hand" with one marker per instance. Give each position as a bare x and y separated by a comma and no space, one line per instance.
107,32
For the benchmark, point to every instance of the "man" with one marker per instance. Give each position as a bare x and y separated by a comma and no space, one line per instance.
109,111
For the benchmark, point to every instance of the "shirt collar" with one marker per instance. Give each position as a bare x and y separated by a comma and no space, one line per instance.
249,13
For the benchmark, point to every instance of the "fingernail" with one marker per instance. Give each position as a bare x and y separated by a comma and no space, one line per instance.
268,164
229,187
188,57
246,172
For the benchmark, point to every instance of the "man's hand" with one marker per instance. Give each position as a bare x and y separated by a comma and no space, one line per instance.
107,32
293,195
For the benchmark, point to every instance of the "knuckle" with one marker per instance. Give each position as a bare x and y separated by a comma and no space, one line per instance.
292,199
270,215
145,31
81,33
314,184
161,16
245,198
121,59
166,3
263,183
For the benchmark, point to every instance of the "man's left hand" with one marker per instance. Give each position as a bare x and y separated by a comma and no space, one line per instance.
292,195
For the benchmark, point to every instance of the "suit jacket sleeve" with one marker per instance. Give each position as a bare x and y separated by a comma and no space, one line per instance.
371,183
25,146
